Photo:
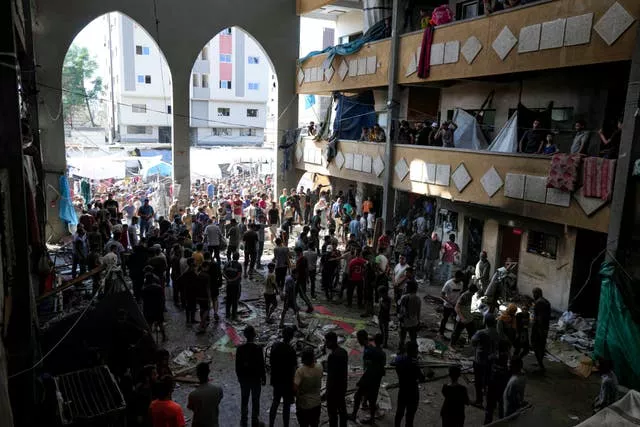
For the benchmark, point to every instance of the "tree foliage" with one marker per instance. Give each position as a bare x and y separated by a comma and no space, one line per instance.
79,85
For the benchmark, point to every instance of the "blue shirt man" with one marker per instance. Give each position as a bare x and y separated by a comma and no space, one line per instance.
211,189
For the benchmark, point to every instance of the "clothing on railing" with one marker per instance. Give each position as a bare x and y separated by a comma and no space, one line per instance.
376,32
597,177
424,62
563,173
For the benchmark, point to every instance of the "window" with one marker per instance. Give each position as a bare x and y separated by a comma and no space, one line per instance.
247,132
139,108
349,38
224,112
140,78
252,112
225,84
469,9
254,86
145,50
139,130
226,32
562,118
542,244
144,79
254,60
140,50
196,80
221,131
205,80
147,80
204,55
168,109
225,57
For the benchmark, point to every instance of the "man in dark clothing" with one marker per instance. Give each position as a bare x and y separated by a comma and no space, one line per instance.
250,239
215,282
188,282
498,378
374,361
485,342
136,263
251,376
409,375
337,370
532,140
284,362
540,327
302,275
112,206
233,273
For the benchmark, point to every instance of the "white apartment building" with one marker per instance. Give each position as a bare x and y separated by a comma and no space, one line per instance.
231,84
141,81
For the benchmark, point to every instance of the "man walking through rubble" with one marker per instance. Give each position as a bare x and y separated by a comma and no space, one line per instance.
337,371
540,327
283,361
251,376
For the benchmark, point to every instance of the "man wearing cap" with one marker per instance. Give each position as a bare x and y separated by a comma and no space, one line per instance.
205,400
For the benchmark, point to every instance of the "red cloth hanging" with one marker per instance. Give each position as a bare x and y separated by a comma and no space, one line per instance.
597,177
424,62
563,173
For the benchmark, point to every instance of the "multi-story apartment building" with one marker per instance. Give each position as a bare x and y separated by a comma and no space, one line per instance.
231,83
140,81
567,60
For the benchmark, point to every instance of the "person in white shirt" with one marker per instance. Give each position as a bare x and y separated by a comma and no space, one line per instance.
399,278
371,224
111,258
213,235
450,293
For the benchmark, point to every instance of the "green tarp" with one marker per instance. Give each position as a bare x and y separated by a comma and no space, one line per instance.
618,331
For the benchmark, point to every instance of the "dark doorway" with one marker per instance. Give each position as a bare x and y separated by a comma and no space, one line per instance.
584,296
164,134
510,239
473,239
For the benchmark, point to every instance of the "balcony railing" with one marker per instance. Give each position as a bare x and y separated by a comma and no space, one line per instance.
511,183
538,36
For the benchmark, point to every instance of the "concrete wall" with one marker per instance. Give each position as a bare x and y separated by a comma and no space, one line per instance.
349,23
553,276
182,32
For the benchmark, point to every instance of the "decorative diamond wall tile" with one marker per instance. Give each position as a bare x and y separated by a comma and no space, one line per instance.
503,44
366,164
529,38
558,198
535,188
415,170
353,67
578,30
357,162
378,166
362,66
491,181
328,61
471,48
339,160
613,23
348,160
300,76
437,54
588,204
552,34
299,152
461,177
328,74
429,173
402,169
412,67
514,186
343,70
442,174
451,52
372,64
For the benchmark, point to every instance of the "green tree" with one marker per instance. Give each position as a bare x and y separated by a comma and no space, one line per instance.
79,86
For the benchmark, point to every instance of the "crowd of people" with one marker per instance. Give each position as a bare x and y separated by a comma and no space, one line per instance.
197,250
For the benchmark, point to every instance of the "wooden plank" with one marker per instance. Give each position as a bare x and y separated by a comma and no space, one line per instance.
71,282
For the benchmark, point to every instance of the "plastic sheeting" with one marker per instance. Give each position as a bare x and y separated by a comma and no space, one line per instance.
618,331
352,114
625,411
468,134
66,211
506,141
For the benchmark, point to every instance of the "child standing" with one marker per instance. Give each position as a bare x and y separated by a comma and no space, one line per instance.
270,291
384,314
455,399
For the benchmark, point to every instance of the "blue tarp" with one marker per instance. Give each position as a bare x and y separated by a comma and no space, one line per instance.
66,211
377,32
309,101
352,114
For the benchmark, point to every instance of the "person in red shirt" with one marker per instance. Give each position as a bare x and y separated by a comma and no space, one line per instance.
384,242
163,411
356,272
237,207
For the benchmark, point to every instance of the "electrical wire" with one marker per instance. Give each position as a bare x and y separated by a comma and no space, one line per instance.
39,362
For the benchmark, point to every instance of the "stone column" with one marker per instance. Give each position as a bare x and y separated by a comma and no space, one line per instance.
181,144
491,241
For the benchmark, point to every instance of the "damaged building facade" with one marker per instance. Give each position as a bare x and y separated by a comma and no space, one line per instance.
560,62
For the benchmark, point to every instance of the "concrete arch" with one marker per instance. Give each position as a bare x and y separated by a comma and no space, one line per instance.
184,28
